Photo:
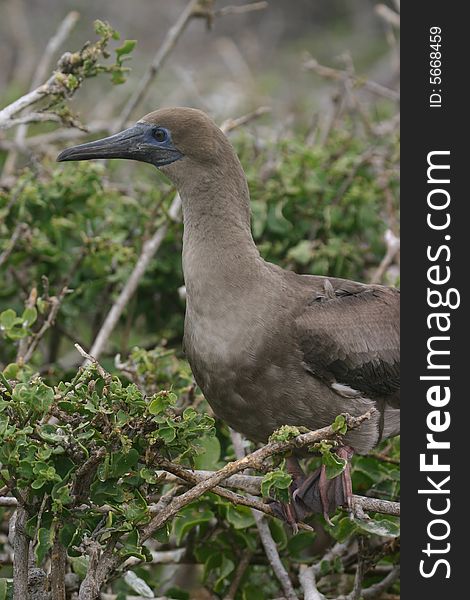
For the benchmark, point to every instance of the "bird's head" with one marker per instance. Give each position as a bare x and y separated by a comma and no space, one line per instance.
183,137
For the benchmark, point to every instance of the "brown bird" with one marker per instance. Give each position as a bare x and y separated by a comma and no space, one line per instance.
268,347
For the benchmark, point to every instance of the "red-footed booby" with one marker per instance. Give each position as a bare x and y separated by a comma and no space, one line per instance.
268,347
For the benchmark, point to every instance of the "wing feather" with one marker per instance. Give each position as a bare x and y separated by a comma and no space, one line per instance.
349,334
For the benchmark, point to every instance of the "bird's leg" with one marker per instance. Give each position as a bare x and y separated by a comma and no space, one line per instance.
316,493
287,510
346,452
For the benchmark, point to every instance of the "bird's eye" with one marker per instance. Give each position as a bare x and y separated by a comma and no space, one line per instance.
160,135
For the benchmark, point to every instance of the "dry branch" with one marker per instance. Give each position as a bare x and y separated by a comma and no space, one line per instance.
252,485
269,545
308,582
311,64
20,555
393,247
172,37
376,590
40,75
253,460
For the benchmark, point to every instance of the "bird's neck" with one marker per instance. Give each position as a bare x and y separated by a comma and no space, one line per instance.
217,241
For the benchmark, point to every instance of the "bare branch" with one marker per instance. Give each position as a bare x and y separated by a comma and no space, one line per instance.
253,460
239,10
311,64
55,303
388,15
172,37
32,117
194,477
252,485
7,113
231,124
269,545
355,593
19,230
273,557
393,247
240,571
309,585
20,555
58,567
40,75
55,42
376,590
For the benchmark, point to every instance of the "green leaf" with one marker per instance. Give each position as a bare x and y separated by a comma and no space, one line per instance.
7,318
284,433
11,371
29,316
240,517
343,528
3,588
126,48
300,542
167,434
340,425
210,456
189,519
45,540
67,533
132,546
225,569
80,565
379,526
334,464
122,463
103,492
276,484
161,402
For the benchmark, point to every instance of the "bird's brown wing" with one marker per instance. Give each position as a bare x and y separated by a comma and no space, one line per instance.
349,336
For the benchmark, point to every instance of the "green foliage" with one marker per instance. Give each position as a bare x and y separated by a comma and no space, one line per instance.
284,433
276,484
105,435
320,209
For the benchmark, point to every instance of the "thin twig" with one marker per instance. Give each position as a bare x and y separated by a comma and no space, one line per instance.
269,545
311,64
308,582
252,485
18,232
194,477
240,571
273,557
239,10
172,37
20,556
33,117
231,124
393,247
90,359
376,590
355,593
55,302
388,15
